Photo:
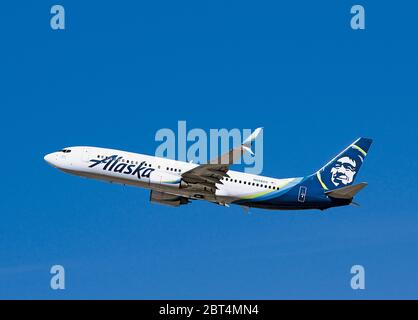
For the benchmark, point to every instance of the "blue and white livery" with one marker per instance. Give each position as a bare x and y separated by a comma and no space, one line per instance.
175,183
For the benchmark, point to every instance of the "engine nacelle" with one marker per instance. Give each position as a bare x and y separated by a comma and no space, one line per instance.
167,199
165,179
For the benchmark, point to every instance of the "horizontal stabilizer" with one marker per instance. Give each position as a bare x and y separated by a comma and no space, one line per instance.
346,192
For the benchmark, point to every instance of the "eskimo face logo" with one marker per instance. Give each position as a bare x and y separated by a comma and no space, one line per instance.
343,171
114,164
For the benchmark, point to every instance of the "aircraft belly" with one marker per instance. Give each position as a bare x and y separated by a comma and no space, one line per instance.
109,177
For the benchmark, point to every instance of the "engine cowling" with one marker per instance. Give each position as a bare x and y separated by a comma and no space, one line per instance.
167,199
165,179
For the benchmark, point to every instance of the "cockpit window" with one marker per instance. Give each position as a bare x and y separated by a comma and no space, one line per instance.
65,150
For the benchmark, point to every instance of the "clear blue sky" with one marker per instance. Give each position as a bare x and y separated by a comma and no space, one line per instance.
124,69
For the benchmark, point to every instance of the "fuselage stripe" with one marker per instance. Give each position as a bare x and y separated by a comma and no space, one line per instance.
318,174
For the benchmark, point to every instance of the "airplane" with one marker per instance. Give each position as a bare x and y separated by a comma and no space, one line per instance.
175,183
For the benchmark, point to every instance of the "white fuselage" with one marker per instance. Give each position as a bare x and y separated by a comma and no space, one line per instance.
157,173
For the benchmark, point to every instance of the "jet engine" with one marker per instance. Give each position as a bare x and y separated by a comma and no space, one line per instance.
167,199
166,179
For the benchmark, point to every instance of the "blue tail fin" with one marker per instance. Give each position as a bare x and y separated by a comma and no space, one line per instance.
342,170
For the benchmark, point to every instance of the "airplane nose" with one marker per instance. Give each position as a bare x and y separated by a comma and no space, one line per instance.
50,158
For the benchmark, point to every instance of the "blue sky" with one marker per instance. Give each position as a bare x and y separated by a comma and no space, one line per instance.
123,70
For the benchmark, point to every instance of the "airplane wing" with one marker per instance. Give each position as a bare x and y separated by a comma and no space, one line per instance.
210,174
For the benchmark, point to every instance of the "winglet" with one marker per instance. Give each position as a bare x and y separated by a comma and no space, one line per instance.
252,137
248,150
232,155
